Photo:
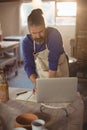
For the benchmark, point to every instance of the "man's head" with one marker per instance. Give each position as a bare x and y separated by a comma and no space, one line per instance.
36,25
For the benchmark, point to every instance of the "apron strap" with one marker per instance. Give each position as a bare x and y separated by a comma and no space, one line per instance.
34,46
46,46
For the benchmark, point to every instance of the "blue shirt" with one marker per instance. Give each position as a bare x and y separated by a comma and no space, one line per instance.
55,47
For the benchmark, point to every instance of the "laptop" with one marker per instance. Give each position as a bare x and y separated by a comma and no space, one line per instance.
56,90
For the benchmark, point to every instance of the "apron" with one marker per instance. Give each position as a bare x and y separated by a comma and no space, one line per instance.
42,65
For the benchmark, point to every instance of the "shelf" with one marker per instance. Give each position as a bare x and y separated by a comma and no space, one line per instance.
4,61
9,54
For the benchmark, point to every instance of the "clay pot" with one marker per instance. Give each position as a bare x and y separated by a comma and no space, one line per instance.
24,120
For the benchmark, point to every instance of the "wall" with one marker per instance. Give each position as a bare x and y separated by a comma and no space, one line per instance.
68,33
10,19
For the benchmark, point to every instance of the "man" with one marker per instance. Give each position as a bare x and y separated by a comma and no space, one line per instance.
43,51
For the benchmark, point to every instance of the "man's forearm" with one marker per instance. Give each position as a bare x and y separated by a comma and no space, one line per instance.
33,78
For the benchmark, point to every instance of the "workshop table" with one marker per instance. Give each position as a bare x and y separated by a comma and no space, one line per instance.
70,118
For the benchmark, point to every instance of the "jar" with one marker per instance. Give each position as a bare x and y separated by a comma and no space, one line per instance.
4,94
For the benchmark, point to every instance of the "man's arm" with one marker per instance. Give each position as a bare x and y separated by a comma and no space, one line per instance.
33,79
55,50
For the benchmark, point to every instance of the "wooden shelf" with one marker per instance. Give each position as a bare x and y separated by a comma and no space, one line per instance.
4,61
6,58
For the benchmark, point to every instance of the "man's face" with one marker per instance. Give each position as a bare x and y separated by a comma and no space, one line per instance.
38,33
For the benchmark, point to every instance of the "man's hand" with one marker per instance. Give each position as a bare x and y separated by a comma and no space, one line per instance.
34,90
33,79
52,74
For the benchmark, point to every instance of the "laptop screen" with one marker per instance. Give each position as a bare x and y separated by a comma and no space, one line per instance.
56,89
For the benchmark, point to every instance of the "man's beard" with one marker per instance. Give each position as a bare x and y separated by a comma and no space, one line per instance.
39,40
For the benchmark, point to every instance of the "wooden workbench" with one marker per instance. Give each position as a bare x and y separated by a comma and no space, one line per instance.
56,119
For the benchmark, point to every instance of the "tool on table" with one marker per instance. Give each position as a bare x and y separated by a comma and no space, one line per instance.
21,93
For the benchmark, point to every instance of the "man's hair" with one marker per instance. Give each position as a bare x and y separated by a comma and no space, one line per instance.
36,18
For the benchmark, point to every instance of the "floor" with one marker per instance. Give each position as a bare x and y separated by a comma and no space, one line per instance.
22,81
19,81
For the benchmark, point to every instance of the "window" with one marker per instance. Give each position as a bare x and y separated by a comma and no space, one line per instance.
61,13
65,13
49,14
66,9
25,11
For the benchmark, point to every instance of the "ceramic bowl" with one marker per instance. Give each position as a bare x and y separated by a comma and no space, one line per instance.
24,120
